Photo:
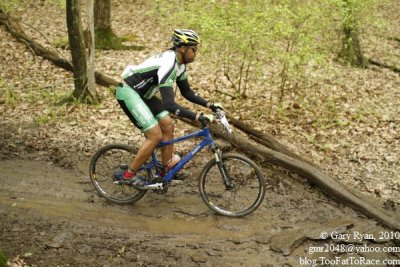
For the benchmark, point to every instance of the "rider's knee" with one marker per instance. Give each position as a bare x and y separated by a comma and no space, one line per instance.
168,126
155,134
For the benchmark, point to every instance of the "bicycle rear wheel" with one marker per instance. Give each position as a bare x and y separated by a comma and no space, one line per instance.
244,192
103,166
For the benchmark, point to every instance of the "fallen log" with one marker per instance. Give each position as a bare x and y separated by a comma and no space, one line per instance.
15,29
384,65
279,155
394,38
266,139
327,184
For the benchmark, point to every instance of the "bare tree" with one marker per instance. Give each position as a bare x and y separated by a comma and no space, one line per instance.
90,47
78,52
102,14
105,36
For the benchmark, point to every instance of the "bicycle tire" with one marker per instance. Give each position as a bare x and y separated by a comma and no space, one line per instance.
103,165
248,188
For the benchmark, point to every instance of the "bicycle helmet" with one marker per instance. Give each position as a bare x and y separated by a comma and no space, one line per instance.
185,37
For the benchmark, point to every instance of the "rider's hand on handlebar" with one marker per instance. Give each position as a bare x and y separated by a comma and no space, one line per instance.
205,119
215,106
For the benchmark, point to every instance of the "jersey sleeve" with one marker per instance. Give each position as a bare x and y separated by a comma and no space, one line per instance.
189,94
168,100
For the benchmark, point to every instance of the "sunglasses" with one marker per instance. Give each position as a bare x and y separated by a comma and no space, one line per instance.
194,49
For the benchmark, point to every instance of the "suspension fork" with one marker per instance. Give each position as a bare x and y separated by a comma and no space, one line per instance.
222,168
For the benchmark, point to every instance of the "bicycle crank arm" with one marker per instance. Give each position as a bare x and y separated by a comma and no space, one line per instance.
157,186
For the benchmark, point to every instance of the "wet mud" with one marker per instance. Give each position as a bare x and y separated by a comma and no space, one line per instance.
51,216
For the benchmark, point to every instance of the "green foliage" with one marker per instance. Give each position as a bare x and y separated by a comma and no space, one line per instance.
249,33
62,43
35,95
355,13
111,90
241,36
3,259
10,97
44,118
60,3
9,5
106,39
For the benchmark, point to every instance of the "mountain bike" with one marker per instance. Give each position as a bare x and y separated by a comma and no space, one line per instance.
229,184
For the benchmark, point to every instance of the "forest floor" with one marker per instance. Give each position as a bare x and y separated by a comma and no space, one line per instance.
51,215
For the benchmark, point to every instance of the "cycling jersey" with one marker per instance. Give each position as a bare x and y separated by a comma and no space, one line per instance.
158,74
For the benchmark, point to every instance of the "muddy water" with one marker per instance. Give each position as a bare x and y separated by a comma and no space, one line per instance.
56,216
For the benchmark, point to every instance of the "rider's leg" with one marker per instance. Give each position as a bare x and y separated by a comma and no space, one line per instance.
167,127
166,124
140,115
153,138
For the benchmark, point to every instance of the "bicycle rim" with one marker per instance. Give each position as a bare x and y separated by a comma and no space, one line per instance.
103,166
247,191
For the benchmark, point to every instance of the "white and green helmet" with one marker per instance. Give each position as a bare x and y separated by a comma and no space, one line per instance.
185,37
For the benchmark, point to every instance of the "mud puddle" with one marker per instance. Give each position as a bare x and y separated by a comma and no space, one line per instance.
53,217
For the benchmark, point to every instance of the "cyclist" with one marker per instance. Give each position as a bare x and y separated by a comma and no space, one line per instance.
137,97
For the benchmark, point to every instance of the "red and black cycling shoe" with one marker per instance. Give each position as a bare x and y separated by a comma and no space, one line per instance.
129,178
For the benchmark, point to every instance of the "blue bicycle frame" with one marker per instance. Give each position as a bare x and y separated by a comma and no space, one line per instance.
207,141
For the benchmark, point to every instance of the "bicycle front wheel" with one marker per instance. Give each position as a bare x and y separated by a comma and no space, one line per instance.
103,166
232,187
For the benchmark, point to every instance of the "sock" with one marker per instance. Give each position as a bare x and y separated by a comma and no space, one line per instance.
128,174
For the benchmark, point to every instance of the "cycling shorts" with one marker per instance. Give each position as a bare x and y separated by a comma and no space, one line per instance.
144,113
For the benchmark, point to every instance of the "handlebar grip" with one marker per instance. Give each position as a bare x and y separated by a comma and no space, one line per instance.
204,121
204,124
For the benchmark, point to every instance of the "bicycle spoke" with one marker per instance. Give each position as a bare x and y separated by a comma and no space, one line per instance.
103,167
246,192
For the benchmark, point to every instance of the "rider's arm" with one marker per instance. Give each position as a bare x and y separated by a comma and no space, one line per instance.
189,94
168,99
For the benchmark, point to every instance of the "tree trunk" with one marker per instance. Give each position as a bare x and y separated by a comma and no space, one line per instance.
90,47
281,157
102,14
78,52
351,52
105,36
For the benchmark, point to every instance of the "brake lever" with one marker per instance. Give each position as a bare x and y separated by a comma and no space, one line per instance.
220,116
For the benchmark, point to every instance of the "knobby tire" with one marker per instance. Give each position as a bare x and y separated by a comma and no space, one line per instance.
104,164
247,192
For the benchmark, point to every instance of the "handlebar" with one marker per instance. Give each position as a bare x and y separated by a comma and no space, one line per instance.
220,117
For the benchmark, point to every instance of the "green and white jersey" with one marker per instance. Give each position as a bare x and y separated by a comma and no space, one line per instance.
161,70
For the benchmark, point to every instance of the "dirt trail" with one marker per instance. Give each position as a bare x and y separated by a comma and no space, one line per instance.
52,216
